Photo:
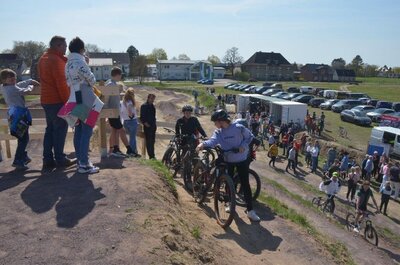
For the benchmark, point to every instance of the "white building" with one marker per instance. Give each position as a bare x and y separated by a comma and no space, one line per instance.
119,59
184,70
219,72
152,70
101,68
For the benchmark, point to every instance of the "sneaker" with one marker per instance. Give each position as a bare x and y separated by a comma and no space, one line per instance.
117,153
88,169
27,160
253,216
49,164
19,165
356,229
137,155
227,208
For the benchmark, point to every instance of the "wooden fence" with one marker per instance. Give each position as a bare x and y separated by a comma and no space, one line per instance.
39,119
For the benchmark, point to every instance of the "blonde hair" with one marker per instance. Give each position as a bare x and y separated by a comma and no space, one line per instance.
129,96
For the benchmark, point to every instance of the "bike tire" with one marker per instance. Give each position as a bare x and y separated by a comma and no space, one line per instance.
350,221
316,201
255,186
170,160
371,235
187,176
224,196
200,189
327,207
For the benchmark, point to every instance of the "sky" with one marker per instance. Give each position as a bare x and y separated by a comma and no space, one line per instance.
303,31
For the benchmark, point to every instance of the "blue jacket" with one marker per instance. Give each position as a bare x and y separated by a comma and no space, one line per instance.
235,136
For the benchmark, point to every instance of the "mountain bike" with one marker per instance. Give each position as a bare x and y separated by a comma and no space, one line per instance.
325,205
370,233
214,178
171,157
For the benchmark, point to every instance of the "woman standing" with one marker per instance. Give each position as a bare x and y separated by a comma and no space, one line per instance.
83,106
354,177
129,116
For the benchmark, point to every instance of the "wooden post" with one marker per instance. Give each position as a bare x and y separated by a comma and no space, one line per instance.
143,142
8,149
103,138
1,152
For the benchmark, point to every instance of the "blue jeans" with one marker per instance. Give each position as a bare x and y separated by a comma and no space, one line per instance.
314,161
56,132
82,135
20,153
131,127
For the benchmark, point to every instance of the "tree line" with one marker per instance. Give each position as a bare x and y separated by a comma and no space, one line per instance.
32,50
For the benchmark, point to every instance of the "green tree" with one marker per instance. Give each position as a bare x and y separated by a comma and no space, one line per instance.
29,50
157,54
133,53
357,65
242,76
396,70
370,70
338,63
93,48
140,67
183,57
213,59
232,58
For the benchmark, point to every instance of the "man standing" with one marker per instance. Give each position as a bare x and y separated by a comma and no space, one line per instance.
148,119
54,94
394,173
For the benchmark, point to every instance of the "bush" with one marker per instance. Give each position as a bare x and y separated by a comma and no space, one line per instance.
242,76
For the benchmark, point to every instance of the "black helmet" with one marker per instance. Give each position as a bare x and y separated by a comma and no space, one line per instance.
220,115
187,108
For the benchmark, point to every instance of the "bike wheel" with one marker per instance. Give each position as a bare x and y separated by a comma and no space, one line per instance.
350,221
255,186
224,200
201,174
187,176
371,235
327,207
316,201
170,160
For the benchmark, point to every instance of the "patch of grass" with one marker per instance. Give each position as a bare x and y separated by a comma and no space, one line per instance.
196,232
339,251
388,234
163,171
129,210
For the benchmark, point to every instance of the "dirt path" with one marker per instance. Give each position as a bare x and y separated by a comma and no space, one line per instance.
361,251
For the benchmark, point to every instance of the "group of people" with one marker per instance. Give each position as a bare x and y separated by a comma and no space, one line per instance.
314,125
69,97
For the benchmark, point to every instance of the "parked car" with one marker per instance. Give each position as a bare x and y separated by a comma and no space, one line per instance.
291,96
315,102
277,85
200,81
284,94
377,113
364,100
364,108
329,93
306,89
319,91
237,88
232,87
396,106
271,91
250,89
293,90
384,104
328,104
303,98
345,104
262,89
242,88
268,84
278,94
356,96
252,80
229,84
355,116
208,82
372,102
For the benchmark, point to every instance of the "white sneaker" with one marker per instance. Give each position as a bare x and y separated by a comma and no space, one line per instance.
88,169
253,216
227,208
356,229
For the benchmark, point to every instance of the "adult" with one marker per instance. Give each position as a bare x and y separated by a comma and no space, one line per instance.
363,196
53,95
332,153
148,119
369,167
314,157
86,104
375,160
394,173
233,135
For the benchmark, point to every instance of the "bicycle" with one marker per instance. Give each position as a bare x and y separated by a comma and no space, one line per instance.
171,157
325,206
342,132
213,178
370,233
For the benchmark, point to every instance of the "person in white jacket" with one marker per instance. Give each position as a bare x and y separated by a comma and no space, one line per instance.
331,188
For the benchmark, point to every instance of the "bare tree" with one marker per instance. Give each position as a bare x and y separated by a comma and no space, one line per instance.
232,58
183,57
29,50
213,59
140,67
93,48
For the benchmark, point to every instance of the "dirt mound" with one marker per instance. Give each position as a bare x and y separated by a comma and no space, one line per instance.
168,110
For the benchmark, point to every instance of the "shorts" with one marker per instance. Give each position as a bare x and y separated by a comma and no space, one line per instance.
115,123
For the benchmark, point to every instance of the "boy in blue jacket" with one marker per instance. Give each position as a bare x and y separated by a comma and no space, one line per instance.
18,115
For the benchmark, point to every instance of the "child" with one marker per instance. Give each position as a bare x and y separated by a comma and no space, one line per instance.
331,188
19,116
386,192
272,153
354,177
129,117
291,160
115,123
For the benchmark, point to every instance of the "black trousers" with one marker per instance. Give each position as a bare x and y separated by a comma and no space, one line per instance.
242,169
150,135
272,161
384,202
352,187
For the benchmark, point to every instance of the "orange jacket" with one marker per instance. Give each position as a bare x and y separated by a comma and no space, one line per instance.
53,84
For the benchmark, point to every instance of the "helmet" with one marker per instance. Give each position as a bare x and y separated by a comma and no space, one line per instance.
187,108
220,115
335,174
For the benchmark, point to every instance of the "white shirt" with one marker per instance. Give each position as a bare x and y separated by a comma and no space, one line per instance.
124,113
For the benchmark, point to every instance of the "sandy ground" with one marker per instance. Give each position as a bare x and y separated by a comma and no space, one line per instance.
127,215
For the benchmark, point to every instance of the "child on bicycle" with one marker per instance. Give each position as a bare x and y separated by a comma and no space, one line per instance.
363,196
233,136
331,188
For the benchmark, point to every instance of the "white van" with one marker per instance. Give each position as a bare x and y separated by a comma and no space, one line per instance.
329,94
386,139
306,89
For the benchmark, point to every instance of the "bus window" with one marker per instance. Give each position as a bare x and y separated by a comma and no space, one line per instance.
388,138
